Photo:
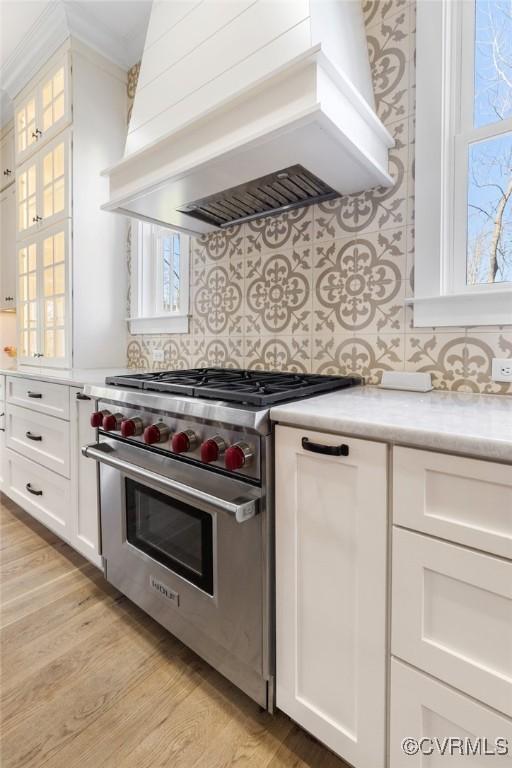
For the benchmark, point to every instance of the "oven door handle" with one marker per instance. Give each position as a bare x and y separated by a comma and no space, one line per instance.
241,509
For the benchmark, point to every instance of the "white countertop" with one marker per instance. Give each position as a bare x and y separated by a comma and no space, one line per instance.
75,377
476,425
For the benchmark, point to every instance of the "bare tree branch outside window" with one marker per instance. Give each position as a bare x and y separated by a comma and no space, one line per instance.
489,252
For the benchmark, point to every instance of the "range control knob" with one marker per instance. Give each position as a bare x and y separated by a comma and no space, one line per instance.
237,456
212,448
112,421
156,433
97,418
132,427
184,441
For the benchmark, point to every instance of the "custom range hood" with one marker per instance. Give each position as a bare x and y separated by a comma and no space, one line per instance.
247,108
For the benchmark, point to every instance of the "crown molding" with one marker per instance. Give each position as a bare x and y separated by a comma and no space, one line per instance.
46,35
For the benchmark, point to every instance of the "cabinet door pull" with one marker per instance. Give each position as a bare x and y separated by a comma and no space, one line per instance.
330,450
8,298
32,491
34,395
30,436
81,396
7,172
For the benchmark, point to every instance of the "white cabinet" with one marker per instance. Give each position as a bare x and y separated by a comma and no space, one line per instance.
7,162
42,438
40,492
8,248
86,523
456,498
70,124
43,108
331,544
452,615
44,293
424,708
43,469
43,187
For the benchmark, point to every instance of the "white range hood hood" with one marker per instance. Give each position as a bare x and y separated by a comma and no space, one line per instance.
246,109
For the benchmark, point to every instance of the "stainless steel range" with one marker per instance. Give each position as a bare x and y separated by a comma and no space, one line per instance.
186,492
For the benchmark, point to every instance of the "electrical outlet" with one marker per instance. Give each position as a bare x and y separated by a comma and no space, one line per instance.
158,356
502,369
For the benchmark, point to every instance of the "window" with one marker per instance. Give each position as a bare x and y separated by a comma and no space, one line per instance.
464,163
159,279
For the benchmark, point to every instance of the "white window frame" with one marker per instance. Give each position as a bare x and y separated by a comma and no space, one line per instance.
444,109
146,304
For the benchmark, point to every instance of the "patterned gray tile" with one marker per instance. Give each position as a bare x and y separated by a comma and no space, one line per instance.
281,232
278,287
366,356
286,353
358,286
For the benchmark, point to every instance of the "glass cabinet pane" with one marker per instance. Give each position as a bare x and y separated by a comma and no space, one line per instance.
53,181
26,125
27,299
54,290
27,197
53,98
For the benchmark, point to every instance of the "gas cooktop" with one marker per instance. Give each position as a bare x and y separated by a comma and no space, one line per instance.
235,385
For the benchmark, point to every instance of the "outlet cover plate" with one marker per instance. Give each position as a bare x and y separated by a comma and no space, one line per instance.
502,369
158,356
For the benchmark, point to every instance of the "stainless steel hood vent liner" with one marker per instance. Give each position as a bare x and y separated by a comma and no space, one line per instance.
283,190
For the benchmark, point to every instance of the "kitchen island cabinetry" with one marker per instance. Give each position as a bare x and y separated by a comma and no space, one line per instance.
43,470
331,545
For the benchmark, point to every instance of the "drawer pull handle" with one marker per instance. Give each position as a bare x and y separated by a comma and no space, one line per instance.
35,395
33,437
330,450
81,396
32,491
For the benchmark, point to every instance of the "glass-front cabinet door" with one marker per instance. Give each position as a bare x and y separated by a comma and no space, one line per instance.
43,187
25,126
27,198
43,308
45,111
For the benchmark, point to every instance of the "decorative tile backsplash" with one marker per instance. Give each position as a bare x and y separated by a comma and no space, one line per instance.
323,289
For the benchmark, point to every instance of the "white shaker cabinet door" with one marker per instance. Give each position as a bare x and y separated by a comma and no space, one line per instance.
437,715
331,543
452,615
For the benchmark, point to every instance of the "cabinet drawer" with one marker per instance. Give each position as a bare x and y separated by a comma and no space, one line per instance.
452,615
39,491
425,708
464,500
43,396
42,438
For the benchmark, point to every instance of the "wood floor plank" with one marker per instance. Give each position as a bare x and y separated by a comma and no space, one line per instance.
90,681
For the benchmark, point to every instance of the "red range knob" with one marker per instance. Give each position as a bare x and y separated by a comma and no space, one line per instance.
112,421
156,433
132,427
184,441
211,449
97,418
237,456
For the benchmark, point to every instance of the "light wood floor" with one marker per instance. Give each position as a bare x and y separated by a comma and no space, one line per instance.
89,681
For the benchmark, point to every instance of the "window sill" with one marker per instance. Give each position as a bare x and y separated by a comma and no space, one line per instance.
159,324
484,308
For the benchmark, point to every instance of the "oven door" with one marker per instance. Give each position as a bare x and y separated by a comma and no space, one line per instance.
189,546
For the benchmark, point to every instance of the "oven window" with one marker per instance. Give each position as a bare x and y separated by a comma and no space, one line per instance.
171,532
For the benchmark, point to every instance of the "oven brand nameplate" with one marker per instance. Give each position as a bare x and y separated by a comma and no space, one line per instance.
164,590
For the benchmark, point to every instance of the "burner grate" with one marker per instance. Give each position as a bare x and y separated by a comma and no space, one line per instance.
250,387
